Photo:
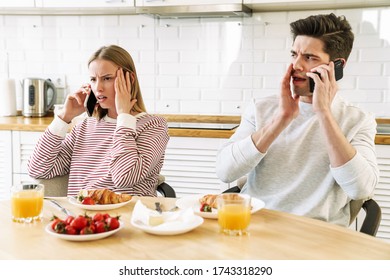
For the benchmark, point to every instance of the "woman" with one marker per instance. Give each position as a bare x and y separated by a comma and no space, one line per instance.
120,148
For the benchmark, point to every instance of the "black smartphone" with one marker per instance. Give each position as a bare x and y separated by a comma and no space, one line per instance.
338,72
90,103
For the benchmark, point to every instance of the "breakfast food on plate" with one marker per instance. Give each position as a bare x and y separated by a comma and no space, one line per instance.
205,208
155,219
103,196
209,201
84,224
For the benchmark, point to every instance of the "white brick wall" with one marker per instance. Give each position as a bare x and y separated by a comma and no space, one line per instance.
196,66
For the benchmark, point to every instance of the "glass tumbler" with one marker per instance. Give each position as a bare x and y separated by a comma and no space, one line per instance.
27,202
234,213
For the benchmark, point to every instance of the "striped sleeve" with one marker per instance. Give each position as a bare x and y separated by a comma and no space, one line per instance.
137,154
51,156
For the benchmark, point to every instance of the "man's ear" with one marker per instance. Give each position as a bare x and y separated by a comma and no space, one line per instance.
344,61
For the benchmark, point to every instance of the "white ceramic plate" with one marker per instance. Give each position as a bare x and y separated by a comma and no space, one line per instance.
177,228
86,237
96,207
192,201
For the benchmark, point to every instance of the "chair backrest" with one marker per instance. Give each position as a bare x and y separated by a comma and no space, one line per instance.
58,186
373,217
55,187
166,190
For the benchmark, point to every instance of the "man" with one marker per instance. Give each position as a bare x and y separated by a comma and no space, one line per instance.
307,153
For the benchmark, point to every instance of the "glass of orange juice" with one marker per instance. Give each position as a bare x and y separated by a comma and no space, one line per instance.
27,202
234,213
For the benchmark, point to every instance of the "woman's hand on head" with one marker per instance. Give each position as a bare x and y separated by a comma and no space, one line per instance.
74,104
123,95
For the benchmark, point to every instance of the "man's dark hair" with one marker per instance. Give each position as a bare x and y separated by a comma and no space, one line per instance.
335,32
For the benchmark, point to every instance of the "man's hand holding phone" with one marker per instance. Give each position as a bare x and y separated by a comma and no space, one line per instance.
325,77
338,73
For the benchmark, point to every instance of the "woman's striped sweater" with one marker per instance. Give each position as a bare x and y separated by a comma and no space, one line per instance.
104,154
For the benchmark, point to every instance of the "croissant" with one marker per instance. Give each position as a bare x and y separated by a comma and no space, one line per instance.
106,196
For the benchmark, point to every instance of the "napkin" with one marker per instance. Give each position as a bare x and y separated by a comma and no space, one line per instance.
172,220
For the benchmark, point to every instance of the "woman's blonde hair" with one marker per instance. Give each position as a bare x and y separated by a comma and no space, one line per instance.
123,59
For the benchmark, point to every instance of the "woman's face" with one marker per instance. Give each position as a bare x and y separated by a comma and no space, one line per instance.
102,78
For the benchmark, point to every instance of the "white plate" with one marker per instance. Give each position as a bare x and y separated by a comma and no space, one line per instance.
84,237
174,230
192,201
96,207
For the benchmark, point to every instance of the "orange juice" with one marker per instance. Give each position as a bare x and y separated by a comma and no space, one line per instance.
26,204
234,217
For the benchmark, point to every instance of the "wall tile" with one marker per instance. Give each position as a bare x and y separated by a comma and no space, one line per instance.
179,69
375,54
222,94
167,56
374,83
209,66
62,21
179,94
200,107
232,108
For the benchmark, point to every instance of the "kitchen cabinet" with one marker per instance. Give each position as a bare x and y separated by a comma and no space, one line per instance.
23,144
5,163
22,147
67,7
382,192
189,165
17,3
150,3
192,9
286,5
83,3
98,7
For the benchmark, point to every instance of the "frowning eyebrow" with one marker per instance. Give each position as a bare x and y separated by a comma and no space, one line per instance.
106,75
294,53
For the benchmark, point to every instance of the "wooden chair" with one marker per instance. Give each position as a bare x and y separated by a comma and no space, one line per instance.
58,186
371,220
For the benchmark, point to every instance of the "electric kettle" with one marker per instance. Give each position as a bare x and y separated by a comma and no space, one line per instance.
39,95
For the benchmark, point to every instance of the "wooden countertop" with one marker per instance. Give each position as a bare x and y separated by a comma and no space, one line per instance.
21,123
39,124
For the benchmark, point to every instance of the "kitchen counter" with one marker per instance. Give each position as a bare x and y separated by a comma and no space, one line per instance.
39,124
382,139
21,123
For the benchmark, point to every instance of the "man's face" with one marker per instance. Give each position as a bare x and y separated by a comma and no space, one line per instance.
306,53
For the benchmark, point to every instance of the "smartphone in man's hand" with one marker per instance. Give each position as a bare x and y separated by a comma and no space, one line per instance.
338,72
90,103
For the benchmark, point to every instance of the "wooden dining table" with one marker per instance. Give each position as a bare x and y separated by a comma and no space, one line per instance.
273,235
